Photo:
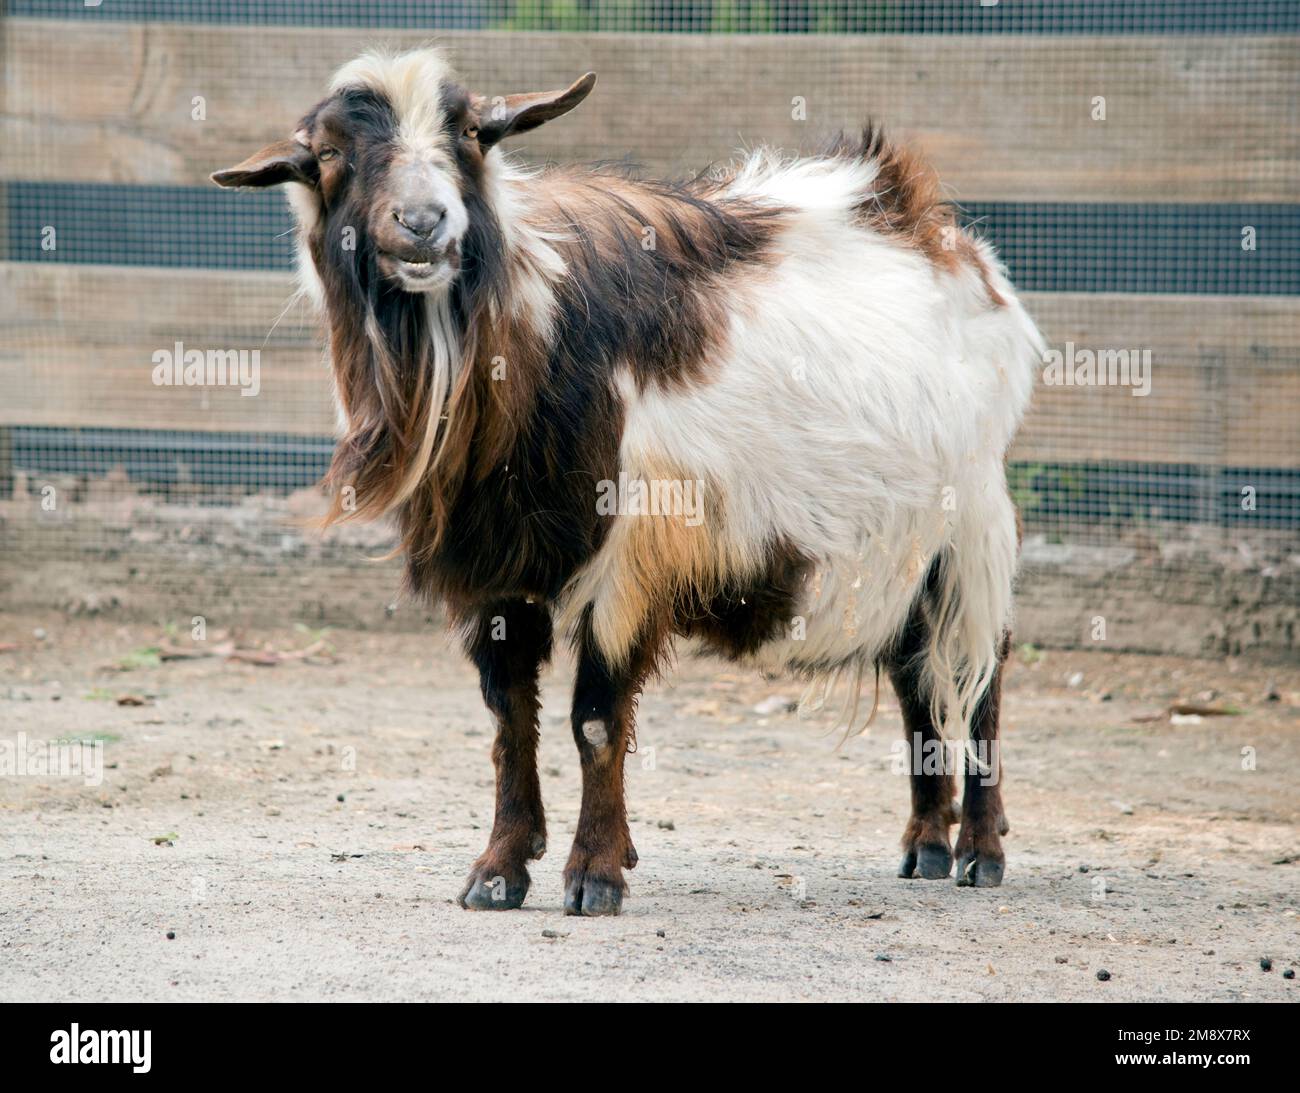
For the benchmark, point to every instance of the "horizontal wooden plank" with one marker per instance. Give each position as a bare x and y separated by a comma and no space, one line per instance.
78,348
79,341
1005,117
1225,381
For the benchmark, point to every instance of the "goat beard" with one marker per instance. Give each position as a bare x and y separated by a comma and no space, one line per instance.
413,376
404,396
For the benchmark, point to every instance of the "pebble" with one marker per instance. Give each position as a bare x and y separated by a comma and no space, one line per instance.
1289,973
1103,974
171,935
1265,965
775,704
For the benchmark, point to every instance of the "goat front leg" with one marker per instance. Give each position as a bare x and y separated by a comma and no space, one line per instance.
604,708
509,642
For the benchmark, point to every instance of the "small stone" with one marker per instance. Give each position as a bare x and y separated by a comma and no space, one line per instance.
884,958
1063,960
1265,965
660,933
667,825
339,798
1289,973
171,935
1103,975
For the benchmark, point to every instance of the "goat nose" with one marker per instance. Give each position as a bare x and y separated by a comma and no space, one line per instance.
420,220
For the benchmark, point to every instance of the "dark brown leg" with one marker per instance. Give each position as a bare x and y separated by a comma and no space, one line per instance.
604,709
980,861
509,642
926,851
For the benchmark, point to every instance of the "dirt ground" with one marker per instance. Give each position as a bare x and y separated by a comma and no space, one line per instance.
299,831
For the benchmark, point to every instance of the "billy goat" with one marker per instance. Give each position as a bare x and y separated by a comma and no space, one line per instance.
801,373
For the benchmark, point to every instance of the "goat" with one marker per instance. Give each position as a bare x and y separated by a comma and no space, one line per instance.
812,347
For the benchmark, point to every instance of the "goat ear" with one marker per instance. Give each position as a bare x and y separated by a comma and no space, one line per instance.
283,161
506,115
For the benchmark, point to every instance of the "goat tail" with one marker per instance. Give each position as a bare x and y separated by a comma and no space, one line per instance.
969,610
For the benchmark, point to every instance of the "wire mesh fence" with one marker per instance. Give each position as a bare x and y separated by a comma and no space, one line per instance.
1137,165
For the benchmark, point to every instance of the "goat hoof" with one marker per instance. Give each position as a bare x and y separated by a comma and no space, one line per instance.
934,863
928,862
591,896
488,890
979,871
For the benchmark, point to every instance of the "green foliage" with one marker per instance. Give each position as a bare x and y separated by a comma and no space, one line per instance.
1031,654
90,737
147,657
701,16
1036,486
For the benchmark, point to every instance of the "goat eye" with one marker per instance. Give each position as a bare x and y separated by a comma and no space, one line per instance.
327,152
471,131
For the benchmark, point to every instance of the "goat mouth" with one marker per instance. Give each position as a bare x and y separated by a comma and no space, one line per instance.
421,273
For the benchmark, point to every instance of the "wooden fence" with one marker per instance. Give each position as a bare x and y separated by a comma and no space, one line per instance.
1006,118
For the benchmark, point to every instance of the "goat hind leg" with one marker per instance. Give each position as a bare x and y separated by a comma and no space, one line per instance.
980,860
927,852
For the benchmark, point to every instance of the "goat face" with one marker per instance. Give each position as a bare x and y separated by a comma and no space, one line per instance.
396,162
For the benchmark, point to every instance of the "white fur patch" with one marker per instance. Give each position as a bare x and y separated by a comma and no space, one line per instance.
305,206
861,413
596,733
534,263
412,84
